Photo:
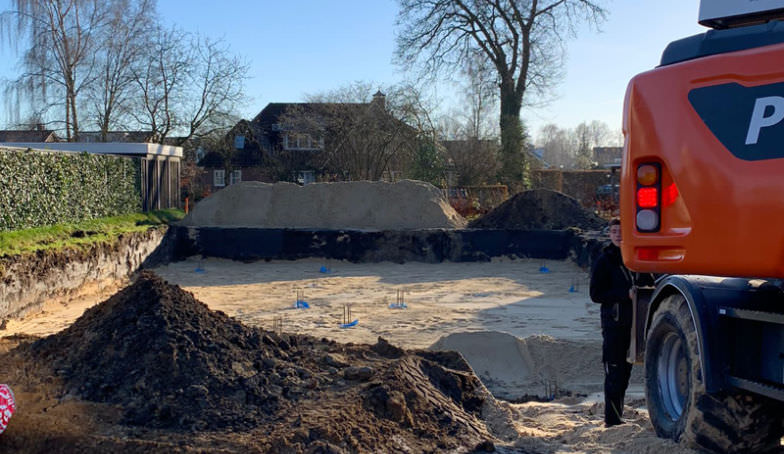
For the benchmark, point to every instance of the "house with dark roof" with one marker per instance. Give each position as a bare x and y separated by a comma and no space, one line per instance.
116,136
608,157
39,135
301,142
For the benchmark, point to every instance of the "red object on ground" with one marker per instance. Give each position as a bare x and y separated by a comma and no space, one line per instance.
7,406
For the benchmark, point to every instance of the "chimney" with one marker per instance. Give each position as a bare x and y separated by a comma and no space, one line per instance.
39,126
379,99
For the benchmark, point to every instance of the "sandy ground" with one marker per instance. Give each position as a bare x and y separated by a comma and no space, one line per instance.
524,331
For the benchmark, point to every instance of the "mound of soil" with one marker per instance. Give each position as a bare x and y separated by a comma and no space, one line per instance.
539,209
167,362
358,205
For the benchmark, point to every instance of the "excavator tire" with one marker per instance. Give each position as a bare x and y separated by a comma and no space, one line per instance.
678,405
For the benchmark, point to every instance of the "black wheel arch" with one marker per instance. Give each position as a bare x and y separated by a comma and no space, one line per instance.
704,314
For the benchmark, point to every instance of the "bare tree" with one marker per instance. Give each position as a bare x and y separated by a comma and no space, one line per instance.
59,59
188,84
588,136
559,146
214,87
522,40
481,98
157,80
123,42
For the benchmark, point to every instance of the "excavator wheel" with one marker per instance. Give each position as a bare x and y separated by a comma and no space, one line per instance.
678,405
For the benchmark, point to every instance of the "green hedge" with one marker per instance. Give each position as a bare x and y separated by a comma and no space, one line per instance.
40,188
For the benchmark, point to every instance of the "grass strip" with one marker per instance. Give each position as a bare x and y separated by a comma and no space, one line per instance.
82,234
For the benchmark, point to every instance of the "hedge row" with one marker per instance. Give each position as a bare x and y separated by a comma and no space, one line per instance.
40,188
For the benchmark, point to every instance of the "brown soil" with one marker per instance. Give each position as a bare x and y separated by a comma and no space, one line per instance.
154,370
539,209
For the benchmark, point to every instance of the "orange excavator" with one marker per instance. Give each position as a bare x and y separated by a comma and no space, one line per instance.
702,205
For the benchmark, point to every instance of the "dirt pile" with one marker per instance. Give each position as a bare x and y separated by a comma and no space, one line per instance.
360,205
167,362
539,209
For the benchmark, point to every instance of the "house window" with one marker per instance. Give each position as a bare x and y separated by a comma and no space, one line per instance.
239,142
302,142
235,176
219,178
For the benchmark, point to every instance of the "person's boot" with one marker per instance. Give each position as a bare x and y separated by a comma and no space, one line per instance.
613,410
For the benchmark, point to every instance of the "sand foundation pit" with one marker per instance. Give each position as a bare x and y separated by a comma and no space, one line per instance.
361,205
152,357
521,308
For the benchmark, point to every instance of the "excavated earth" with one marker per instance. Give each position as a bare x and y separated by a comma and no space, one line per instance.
349,205
539,209
152,369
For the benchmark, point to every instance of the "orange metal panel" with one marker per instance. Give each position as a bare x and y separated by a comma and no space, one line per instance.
726,216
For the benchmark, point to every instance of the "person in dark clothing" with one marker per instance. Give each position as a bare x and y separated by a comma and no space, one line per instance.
613,286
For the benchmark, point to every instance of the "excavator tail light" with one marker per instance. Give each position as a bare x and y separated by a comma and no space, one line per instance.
648,197
648,220
647,174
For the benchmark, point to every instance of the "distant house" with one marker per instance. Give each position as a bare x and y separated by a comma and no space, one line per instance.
38,135
536,158
287,141
116,136
608,157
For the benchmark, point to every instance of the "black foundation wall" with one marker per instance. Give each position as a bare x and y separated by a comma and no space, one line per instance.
432,245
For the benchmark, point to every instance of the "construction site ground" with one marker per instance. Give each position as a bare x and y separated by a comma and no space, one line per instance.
526,327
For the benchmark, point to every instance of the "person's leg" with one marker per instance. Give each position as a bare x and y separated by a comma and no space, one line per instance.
625,373
615,380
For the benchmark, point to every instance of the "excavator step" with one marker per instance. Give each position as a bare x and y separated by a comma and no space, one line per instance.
768,390
746,314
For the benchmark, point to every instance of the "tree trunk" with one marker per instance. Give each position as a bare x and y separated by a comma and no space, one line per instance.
513,164
74,120
67,121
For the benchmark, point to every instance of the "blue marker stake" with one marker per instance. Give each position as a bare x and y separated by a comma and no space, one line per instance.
301,303
349,325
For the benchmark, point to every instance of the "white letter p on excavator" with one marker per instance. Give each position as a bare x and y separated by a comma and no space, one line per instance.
759,120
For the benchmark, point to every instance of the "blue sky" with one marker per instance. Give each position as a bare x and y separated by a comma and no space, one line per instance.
301,47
